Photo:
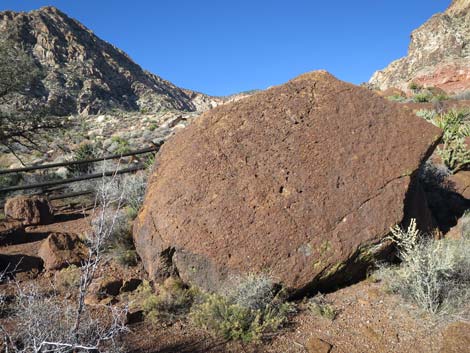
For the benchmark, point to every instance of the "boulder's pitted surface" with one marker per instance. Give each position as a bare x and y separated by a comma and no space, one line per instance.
30,210
298,181
438,55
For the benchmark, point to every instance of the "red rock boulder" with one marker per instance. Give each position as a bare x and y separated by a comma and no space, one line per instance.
60,250
302,181
30,210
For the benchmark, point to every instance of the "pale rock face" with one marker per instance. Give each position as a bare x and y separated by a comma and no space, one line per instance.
438,55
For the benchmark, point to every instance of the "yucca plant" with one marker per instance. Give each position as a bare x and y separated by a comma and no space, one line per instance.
455,124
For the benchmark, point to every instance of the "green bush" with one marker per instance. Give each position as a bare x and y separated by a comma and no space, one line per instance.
397,98
456,127
171,300
246,312
428,115
440,97
454,154
84,151
415,86
9,180
422,97
123,145
433,274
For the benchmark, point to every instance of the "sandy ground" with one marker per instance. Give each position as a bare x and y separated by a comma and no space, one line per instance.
369,319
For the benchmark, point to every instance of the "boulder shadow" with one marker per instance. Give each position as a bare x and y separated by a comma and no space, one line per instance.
22,238
13,264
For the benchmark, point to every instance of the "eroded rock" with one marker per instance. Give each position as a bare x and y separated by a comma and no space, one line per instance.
30,210
60,250
301,181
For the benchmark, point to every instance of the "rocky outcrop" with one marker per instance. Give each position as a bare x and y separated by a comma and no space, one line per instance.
30,210
301,181
81,72
438,55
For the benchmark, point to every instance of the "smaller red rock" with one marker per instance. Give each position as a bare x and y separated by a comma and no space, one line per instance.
30,210
60,250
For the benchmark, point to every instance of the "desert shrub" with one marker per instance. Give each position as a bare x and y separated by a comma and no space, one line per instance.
465,95
246,311
119,243
397,98
422,97
455,154
454,123
439,97
84,151
149,162
433,176
456,127
414,86
46,322
122,145
9,180
171,301
321,307
253,291
134,186
428,115
68,277
433,274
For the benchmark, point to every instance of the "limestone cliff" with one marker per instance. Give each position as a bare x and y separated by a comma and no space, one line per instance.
438,55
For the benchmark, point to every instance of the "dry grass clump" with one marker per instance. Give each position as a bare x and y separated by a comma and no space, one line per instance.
433,274
169,302
68,277
248,310
321,307
119,243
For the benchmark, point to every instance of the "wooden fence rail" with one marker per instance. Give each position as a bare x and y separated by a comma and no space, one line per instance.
83,161
72,180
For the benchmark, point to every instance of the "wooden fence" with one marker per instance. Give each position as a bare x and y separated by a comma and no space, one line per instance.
46,186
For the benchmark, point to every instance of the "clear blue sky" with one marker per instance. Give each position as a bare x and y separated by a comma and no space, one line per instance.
221,47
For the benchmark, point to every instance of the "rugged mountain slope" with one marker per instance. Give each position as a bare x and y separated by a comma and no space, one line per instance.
438,55
82,73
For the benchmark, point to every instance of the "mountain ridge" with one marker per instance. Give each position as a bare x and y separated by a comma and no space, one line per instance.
84,74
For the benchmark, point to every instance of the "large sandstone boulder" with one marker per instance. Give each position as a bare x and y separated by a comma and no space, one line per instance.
300,182
60,250
30,210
